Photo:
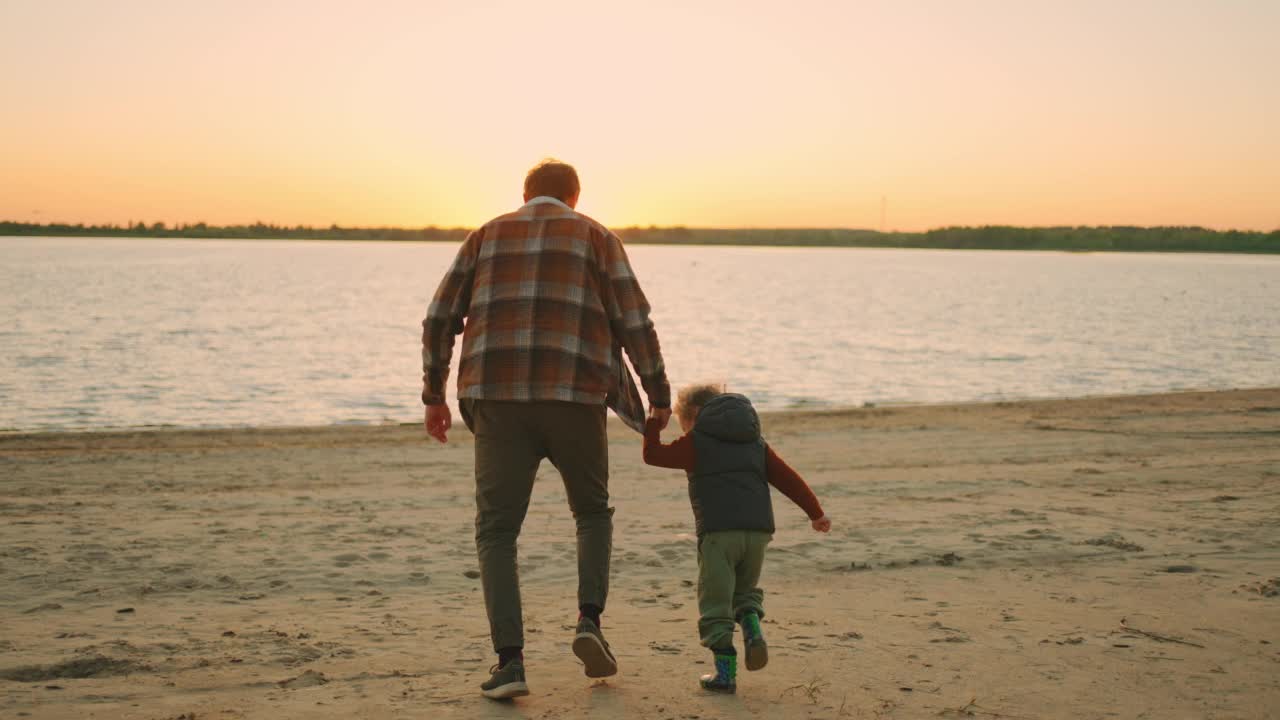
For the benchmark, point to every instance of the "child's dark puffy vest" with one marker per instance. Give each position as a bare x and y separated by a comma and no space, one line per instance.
729,486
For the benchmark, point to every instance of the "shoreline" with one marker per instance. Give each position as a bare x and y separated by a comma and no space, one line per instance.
835,412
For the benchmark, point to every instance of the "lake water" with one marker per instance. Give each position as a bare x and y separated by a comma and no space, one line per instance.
107,333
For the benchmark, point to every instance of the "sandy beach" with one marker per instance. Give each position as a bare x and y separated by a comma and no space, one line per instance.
1097,558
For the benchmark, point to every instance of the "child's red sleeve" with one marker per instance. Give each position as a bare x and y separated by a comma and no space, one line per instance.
790,483
679,455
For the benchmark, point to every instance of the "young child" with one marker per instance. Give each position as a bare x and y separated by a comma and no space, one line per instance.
730,470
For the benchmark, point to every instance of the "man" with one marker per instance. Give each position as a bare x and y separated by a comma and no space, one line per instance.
549,300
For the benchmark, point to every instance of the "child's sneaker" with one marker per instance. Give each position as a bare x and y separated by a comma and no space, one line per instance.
506,682
725,679
753,638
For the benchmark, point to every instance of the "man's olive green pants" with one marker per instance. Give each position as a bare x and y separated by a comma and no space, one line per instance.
512,438
729,564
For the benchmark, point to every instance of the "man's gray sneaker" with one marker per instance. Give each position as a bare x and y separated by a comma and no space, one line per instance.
590,647
506,682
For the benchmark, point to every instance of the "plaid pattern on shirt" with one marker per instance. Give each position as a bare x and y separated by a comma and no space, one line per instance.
546,300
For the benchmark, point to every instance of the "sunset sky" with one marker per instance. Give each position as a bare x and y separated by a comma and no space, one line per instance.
727,114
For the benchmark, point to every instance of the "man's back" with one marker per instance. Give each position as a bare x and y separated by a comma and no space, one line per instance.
547,295
538,328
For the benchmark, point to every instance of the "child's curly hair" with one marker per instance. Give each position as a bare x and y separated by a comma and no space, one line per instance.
692,398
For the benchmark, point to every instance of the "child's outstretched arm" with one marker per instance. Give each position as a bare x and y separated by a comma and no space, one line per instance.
678,455
790,483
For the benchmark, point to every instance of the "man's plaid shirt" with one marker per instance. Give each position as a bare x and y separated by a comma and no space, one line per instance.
549,300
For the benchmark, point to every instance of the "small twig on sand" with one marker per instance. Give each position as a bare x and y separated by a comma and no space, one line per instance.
972,709
811,689
1154,636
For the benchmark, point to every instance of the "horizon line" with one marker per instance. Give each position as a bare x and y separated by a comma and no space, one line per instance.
164,226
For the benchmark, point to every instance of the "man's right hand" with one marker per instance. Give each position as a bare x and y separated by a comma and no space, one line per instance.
662,415
438,421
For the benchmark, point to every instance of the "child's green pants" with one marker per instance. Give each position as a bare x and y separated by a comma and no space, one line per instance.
729,564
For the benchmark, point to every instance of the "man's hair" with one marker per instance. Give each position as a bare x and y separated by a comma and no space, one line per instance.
691,399
553,179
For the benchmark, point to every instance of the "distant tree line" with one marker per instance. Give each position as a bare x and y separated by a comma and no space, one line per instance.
255,231
991,237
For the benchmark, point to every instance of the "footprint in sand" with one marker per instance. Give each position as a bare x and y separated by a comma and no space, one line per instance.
1113,540
80,668
953,635
665,649
310,678
1267,588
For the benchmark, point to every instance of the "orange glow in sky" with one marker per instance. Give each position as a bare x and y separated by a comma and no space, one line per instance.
726,114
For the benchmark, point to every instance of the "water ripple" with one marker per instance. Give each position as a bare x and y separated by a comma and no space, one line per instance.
131,333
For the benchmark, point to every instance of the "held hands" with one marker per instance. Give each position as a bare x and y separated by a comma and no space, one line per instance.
438,420
662,415
822,524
